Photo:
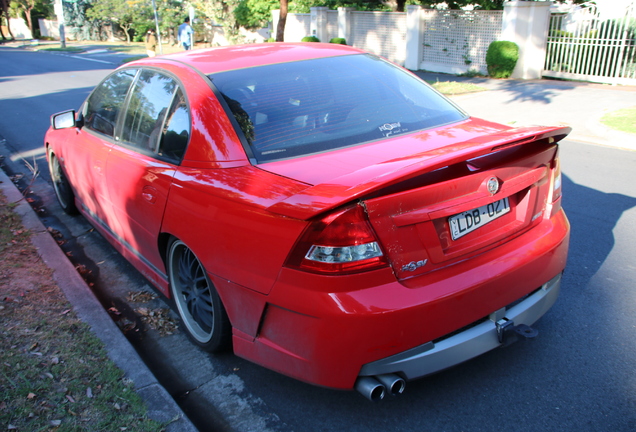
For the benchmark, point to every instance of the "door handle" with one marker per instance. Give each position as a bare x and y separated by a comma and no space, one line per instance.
149,194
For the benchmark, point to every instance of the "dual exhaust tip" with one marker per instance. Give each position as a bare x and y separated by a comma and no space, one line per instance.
377,387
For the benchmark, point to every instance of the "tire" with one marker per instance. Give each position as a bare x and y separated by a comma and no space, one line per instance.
197,301
61,185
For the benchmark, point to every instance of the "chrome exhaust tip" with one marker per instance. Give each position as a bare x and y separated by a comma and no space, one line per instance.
394,384
371,388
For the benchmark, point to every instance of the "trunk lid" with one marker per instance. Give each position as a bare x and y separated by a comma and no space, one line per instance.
415,225
491,187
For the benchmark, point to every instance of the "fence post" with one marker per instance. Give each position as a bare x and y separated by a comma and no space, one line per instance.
275,19
414,37
319,23
344,23
526,23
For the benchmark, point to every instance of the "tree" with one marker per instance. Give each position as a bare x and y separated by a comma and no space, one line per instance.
135,17
121,12
171,14
478,4
25,6
255,13
75,18
282,20
222,11
5,11
29,9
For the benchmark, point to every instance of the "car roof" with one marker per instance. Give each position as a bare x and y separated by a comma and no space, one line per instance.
220,59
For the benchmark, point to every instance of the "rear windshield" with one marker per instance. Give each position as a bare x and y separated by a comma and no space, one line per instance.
298,108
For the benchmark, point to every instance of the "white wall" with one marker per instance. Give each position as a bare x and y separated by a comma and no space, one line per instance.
49,28
19,29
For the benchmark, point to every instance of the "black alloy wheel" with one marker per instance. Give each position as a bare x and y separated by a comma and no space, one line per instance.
197,301
61,185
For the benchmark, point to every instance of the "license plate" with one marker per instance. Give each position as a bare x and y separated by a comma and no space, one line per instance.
468,221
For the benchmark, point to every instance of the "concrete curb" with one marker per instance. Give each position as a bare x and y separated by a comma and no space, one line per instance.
161,406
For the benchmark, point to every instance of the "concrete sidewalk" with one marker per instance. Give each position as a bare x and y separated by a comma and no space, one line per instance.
549,103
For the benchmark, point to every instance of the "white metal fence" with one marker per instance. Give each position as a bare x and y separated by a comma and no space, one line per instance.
583,46
453,41
459,40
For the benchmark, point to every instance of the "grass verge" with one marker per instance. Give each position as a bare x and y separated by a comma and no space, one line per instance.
54,373
623,120
67,49
451,88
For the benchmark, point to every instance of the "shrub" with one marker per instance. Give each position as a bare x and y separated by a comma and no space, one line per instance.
561,34
341,41
501,58
310,39
271,40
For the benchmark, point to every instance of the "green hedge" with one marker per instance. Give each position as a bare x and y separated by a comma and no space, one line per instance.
501,58
310,39
341,41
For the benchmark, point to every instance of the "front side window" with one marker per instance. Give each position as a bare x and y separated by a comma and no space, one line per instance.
298,108
103,106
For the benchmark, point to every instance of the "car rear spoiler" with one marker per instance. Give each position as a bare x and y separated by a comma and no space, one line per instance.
326,196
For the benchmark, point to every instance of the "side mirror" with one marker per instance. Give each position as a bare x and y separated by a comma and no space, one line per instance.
63,120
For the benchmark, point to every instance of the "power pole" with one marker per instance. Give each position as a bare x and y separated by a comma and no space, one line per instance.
59,11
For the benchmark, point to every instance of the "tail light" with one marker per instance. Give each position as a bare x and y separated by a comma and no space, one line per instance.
342,242
556,187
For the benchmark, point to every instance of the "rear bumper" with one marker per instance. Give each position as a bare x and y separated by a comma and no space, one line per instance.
330,331
433,357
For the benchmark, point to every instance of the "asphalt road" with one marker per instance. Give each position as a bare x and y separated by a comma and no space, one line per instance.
577,375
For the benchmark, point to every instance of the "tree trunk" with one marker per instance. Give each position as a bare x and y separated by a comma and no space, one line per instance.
126,32
5,9
280,30
29,20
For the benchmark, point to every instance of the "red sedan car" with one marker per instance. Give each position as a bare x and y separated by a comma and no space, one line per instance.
323,212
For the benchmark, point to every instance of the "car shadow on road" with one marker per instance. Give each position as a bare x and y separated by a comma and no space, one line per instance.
593,215
543,91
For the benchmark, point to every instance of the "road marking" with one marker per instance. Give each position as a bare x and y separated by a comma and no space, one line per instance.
90,59
27,154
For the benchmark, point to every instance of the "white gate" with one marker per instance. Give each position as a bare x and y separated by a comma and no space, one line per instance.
584,46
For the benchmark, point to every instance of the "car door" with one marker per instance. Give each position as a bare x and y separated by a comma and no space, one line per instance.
150,142
86,162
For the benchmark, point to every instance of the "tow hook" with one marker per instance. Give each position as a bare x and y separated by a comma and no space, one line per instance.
508,332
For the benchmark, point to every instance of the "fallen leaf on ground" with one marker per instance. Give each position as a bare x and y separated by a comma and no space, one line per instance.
141,296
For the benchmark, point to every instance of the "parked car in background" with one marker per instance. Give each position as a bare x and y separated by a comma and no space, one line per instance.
319,210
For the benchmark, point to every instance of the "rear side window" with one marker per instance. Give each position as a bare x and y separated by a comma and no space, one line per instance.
176,131
150,99
298,108
103,106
